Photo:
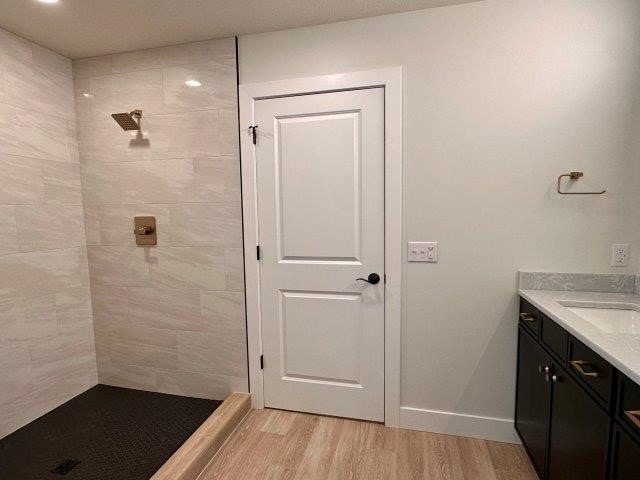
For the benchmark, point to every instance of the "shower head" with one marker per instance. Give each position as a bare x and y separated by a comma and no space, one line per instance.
128,120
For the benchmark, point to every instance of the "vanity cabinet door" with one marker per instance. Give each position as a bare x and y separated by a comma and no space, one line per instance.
579,432
532,398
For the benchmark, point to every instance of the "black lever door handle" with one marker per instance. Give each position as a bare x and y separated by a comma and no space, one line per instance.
373,278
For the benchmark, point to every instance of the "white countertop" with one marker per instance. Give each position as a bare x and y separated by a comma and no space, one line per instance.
622,350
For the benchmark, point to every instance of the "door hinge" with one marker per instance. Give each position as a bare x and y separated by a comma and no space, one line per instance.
257,252
261,362
254,133
385,278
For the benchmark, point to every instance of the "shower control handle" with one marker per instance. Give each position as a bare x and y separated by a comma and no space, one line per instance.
143,230
373,278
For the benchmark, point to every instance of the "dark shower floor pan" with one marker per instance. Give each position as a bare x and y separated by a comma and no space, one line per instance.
105,433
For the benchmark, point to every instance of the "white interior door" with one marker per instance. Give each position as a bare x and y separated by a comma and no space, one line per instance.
320,184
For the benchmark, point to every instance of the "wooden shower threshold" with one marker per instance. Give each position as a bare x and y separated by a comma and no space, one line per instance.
193,456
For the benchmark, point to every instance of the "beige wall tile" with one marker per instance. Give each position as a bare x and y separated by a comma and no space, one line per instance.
21,180
89,67
216,180
118,266
144,298
229,132
32,134
144,182
61,356
180,180
124,92
92,223
61,182
135,336
47,227
15,380
151,58
83,260
73,311
38,273
217,90
224,312
115,223
212,353
165,308
104,141
142,355
47,352
201,385
15,46
187,267
128,376
30,318
222,50
110,305
8,230
34,87
51,61
206,224
182,135
234,269
82,96
100,182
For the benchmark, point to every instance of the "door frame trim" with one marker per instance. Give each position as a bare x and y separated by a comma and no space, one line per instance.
391,80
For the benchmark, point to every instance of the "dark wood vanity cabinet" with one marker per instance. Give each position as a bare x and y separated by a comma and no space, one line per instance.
578,434
577,417
532,405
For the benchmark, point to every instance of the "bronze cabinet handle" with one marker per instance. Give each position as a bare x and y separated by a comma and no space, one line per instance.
579,366
633,416
527,317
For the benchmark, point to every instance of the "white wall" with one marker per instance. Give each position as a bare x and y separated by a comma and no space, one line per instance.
500,97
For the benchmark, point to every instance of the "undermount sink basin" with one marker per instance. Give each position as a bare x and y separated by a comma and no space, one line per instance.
607,317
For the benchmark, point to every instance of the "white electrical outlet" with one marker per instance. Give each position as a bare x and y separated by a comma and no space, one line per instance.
619,255
423,252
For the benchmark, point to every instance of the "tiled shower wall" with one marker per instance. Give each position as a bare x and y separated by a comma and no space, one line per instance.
47,353
168,318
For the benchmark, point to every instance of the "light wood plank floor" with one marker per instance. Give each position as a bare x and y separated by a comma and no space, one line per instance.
279,445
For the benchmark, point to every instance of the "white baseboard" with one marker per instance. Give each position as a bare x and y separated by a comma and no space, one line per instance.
487,428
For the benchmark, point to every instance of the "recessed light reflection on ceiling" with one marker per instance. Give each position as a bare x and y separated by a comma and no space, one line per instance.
87,95
48,1
193,83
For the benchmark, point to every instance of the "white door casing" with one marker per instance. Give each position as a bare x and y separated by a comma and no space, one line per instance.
249,94
320,184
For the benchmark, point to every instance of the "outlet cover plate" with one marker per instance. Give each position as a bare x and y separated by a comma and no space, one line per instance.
619,255
422,252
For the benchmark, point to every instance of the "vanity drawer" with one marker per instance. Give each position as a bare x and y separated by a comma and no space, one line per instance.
554,337
595,373
529,317
628,405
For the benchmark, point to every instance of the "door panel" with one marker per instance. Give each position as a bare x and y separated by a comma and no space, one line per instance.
532,404
320,183
323,222
309,322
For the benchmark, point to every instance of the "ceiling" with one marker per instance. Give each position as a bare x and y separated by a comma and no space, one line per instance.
85,28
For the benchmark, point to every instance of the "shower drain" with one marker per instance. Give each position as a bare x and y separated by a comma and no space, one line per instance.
65,467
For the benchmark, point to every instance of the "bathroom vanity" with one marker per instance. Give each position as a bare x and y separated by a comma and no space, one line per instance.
578,384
